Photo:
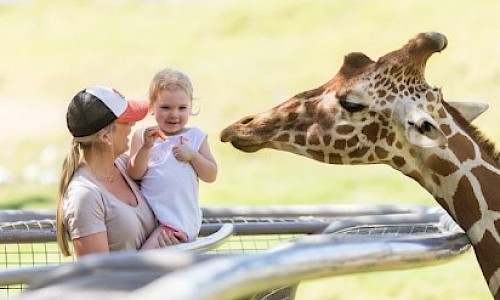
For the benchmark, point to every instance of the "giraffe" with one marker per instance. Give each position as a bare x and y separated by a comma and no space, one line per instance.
385,112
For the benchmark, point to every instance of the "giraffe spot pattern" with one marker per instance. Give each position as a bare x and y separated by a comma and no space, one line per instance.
488,259
313,140
413,152
283,137
436,179
491,191
398,161
443,203
317,155
442,113
383,133
310,107
391,138
291,117
303,126
340,144
288,127
334,158
371,132
300,139
497,225
381,153
344,129
417,176
313,134
327,139
466,204
430,96
441,166
352,141
465,150
387,113
446,129
324,120
358,152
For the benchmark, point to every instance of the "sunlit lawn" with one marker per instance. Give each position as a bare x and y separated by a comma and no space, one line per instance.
243,57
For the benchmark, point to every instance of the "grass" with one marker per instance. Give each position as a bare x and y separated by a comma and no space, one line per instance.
243,57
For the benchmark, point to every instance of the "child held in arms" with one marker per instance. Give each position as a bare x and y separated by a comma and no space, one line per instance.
170,158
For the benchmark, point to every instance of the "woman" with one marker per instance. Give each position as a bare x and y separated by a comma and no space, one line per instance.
99,205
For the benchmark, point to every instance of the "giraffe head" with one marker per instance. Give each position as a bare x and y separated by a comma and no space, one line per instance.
369,112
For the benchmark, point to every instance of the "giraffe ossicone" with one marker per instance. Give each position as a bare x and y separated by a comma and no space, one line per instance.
468,109
385,112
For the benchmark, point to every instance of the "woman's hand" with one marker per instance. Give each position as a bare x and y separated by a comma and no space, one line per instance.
163,237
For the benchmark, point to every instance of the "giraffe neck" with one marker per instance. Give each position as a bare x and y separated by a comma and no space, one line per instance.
465,180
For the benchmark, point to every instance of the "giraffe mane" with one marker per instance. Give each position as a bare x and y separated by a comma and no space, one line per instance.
483,142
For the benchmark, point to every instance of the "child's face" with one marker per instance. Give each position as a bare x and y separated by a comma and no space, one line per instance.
171,110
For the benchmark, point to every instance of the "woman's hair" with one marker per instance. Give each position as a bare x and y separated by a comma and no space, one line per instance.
75,156
170,80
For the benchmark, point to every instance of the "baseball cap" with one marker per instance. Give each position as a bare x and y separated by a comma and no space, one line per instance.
98,106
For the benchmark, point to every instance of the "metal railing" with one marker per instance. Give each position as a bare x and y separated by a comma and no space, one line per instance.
260,252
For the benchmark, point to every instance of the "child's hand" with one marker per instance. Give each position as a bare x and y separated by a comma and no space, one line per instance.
151,134
183,152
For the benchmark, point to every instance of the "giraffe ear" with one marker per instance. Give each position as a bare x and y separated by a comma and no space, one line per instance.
469,110
423,131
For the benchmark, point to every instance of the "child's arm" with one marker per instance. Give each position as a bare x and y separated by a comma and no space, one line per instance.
202,161
140,151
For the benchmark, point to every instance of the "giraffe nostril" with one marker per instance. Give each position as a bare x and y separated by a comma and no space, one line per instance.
246,120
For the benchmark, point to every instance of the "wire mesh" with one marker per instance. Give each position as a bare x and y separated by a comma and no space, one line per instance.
391,230
31,243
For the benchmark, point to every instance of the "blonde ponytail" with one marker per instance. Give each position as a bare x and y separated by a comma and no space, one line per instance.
69,167
79,146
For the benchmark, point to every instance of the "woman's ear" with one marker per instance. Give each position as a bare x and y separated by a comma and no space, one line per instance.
105,138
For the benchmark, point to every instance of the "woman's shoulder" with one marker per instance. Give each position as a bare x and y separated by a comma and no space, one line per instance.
82,190
82,180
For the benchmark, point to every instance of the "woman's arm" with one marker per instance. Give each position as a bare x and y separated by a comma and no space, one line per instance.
98,243
91,244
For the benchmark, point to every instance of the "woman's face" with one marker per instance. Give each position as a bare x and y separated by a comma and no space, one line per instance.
172,110
120,137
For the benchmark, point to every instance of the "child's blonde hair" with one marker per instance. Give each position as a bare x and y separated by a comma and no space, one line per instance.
170,80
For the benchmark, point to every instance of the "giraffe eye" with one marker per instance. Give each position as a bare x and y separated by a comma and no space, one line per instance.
351,106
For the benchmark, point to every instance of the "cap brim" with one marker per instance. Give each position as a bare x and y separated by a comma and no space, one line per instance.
135,111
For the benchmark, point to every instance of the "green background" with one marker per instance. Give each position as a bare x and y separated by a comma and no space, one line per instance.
243,57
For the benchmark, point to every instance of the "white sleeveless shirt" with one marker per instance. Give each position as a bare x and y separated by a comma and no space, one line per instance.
171,186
